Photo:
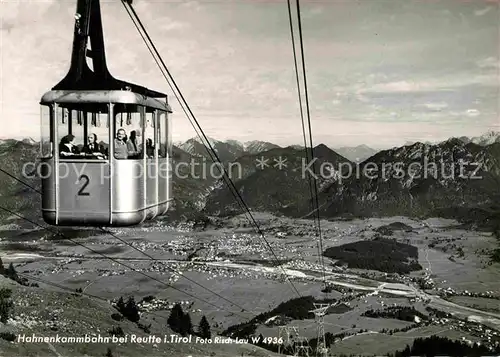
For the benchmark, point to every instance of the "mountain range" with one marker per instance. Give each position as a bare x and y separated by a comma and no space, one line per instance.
487,138
483,140
453,179
270,180
274,179
230,150
450,179
357,153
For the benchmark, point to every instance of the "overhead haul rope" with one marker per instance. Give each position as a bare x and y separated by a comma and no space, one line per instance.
300,96
70,290
115,260
164,69
313,189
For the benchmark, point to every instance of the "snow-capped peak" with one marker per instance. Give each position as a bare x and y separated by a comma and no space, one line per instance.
29,141
201,140
487,138
235,143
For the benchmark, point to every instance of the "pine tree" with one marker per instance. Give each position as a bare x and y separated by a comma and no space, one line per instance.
120,306
204,328
132,311
6,304
175,318
186,325
11,272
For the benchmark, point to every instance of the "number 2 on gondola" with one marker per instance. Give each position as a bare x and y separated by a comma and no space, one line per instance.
81,191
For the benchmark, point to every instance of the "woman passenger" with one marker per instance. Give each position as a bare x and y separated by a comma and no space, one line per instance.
67,147
121,151
133,144
150,149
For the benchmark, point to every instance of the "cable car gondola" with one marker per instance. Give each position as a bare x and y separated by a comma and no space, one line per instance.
106,144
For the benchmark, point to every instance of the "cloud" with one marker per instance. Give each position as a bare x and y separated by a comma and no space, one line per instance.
437,83
6,26
436,106
192,5
483,11
174,25
489,62
473,112
401,86
316,10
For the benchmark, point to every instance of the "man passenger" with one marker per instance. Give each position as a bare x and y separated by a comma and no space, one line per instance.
93,147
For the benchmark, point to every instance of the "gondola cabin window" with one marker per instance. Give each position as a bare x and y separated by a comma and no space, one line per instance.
82,131
162,134
149,134
129,138
46,139
168,128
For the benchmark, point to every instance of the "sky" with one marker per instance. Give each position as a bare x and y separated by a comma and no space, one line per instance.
379,72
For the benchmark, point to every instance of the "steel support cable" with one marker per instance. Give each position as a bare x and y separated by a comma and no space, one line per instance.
179,100
302,121
180,103
299,95
208,149
227,179
131,246
315,186
116,260
161,70
231,184
62,287
173,270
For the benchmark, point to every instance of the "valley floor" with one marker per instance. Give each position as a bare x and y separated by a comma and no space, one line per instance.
237,264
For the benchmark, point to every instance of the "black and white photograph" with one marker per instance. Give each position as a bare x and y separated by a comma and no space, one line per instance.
229,178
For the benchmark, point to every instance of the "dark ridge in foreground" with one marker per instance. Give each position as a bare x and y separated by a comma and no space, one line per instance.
295,309
442,346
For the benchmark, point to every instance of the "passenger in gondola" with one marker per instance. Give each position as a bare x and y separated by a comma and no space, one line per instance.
133,145
67,147
150,149
121,150
93,148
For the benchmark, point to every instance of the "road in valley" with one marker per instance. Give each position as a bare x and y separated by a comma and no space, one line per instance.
371,286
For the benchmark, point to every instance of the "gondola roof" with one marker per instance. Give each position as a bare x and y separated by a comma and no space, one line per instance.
88,26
